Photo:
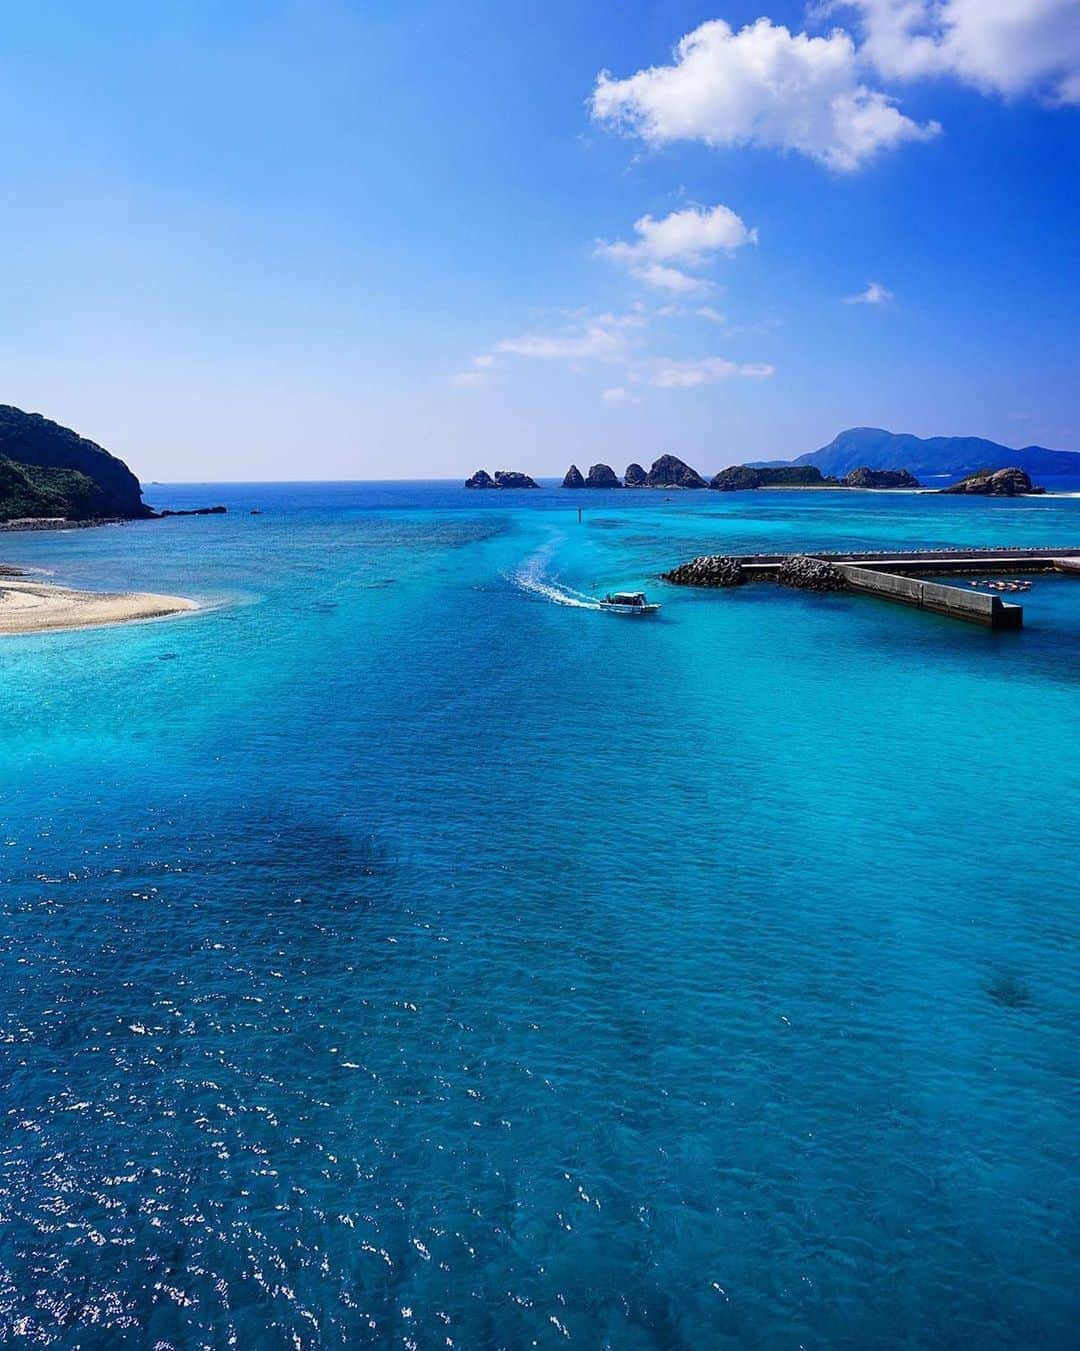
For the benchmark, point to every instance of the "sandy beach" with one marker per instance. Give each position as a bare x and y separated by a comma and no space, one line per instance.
34,607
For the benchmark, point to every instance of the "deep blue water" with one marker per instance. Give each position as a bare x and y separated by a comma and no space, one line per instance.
400,952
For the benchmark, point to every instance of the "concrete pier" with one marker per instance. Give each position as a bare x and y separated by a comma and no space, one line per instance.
979,607
900,576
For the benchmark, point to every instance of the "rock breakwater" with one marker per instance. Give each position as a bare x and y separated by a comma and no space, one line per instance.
718,570
810,574
709,570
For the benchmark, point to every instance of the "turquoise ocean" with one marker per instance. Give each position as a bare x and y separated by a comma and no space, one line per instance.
402,952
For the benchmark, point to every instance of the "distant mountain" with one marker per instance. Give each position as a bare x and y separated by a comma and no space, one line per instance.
954,456
53,471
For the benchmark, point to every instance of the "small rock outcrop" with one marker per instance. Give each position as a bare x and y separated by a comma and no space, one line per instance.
504,478
996,483
196,511
809,574
671,472
513,478
603,476
635,476
709,570
573,478
865,477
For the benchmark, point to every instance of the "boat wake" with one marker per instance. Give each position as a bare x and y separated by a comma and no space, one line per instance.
533,577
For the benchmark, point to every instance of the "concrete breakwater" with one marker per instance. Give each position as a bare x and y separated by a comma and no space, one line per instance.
895,576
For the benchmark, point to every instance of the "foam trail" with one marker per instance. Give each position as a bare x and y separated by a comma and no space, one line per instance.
532,577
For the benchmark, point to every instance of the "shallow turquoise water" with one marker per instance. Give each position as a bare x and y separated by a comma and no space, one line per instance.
398,954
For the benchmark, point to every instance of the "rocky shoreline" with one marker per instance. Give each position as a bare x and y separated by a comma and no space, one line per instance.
64,523
669,472
60,523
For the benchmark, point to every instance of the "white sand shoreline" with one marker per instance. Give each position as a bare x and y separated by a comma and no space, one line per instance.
30,606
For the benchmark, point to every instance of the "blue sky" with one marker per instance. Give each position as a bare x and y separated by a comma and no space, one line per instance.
327,239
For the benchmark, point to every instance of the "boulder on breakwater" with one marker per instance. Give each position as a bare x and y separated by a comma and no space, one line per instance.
810,574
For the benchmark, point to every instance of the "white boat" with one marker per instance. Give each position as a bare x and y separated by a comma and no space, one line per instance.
629,603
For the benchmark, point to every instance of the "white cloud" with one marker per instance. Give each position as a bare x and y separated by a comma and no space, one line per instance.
1008,47
691,236
698,312
762,86
875,294
670,374
481,366
616,395
1068,90
606,335
596,341
671,279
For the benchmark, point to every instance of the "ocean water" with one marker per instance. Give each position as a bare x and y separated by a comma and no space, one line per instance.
401,952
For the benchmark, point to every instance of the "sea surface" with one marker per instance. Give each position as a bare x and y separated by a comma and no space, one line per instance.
402,952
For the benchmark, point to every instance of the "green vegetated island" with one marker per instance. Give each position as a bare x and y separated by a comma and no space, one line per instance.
51,475
50,471
862,457
51,479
